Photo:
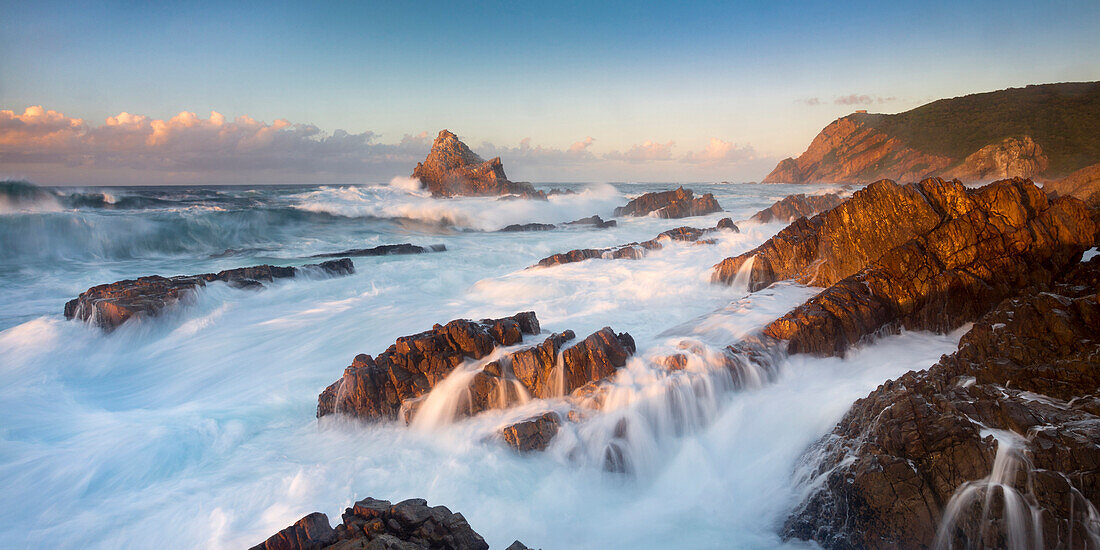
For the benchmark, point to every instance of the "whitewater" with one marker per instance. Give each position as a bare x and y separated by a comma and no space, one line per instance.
197,428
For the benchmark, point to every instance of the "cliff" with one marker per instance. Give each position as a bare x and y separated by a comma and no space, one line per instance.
1046,130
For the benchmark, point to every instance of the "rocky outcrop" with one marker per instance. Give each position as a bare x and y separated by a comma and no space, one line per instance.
1006,427
1083,184
850,150
594,221
110,305
452,169
532,434
678,203
999,239
792,207
635,251
374,388
518,227
385,250
373,524
1014,157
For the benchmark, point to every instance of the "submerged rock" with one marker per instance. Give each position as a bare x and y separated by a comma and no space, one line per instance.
1005,236
793,207
373,524
110,305
452,169
678,203
635,251
594,221
1007,426
385,250
532,434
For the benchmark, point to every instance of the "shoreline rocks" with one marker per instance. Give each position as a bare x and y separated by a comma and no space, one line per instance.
792,207
372,524
1013,411
384,250
635,251
677,203
110,305
452,169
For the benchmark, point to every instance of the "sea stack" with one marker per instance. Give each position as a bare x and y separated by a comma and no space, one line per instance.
452,169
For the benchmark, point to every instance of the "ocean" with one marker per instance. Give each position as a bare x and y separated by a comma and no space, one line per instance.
197,428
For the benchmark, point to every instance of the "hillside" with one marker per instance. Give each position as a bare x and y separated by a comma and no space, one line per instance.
1046,131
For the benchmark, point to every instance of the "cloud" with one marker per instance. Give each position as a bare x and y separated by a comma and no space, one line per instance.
525,153
812,101
190,143
862,99
646,151
719,151
582,145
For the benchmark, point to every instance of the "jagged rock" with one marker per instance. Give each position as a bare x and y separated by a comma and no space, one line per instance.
110,305
594,221
516,227
385,250
1005,236
534,367
452,169
635,251
596,357
375,387
1083,184
886,474
532,434
1011,158
793,207
379,525
312,532
678,203
517,545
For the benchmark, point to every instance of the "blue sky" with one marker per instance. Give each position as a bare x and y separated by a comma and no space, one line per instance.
761,77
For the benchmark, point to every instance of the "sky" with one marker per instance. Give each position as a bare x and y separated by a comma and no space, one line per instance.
354,92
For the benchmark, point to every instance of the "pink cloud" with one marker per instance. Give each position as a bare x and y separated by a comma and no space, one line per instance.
718,151
646,151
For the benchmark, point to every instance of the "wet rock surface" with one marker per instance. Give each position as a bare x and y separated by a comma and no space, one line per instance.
532,434
594,221
373,524
375,387
452,169
792,207
385,250
635,251
678,203
1020,393
517,227
1005,236
110,305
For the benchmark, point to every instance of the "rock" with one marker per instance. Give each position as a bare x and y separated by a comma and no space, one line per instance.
635,251
535,367
379,525
516,227
385,250
110,305
517,545
793,207
1011,158
594,221
678,203
312,532
1026,372
596,357
374,388
452,169
532,434
1008,236
1083,184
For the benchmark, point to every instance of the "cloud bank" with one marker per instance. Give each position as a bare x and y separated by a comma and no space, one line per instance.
188,148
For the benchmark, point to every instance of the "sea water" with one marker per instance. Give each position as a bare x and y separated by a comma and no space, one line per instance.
197,428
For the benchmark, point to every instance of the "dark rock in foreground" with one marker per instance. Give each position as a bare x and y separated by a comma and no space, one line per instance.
110,305
793,207
384,250
532,434
452,169
379,525
678,203
635,251
1022,391
1005,236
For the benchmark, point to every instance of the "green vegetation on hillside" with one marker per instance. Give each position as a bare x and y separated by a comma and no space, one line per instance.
1064,119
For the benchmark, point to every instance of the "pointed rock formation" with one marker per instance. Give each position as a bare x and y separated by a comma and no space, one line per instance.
452,169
